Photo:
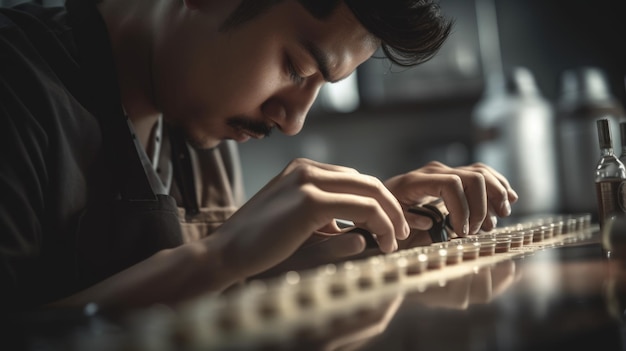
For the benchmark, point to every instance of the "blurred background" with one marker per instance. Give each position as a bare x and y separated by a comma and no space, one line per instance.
518,86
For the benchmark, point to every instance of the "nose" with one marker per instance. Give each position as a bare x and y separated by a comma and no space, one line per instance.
289,107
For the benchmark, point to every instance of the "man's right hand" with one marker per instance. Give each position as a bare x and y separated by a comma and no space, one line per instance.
304,197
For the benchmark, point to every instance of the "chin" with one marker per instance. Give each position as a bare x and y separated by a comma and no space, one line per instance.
202,142
203,145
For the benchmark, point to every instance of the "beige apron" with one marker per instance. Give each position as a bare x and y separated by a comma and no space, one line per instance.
211,188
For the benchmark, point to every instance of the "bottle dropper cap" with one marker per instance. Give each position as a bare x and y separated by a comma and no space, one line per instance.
604,135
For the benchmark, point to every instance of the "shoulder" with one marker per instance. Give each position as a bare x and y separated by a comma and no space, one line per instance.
37,67
30,16
35,42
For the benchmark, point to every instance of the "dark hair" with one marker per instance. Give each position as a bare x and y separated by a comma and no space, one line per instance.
410,31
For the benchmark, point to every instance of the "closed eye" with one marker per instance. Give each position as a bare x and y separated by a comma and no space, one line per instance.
293,73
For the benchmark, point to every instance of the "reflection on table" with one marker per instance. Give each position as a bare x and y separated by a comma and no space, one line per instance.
529,286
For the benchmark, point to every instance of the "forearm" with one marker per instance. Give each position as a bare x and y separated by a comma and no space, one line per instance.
168,276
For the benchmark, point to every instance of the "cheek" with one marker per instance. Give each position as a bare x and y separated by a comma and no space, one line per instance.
246,74
173,79
244,86
222,83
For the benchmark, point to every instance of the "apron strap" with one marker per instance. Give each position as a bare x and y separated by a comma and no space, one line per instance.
183,172
153,180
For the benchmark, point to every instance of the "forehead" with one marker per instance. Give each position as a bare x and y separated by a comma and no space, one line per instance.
341,31
341,24
340,36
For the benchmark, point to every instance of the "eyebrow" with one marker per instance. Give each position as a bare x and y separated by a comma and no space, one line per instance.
321,58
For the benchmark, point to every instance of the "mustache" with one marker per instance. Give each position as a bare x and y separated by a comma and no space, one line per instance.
250,125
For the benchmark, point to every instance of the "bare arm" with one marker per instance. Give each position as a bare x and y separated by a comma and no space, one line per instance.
266,231
168,276
278,220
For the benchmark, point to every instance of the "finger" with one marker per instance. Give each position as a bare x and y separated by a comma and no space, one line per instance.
502,276
499,191
474,185
418,221
491,221
498,196
481,166
299,163
364,186
363,210
417,238
511,193
330,228
481,289
329,167
442,181
449,187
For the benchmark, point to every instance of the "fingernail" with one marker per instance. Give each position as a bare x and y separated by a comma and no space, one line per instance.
494,221
475,229
395,246
465,228
506,208
512,192
407,230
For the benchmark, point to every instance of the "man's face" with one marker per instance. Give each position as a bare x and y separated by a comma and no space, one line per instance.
260,75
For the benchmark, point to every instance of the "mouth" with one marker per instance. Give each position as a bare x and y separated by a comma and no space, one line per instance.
247,128
243,135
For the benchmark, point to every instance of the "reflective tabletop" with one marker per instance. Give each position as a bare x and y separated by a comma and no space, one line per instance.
565,291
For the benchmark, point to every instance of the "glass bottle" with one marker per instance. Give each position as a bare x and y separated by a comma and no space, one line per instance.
609,177
585,96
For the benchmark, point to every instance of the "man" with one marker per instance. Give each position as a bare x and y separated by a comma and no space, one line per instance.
118,119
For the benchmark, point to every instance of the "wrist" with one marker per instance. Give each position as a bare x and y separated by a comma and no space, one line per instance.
211,259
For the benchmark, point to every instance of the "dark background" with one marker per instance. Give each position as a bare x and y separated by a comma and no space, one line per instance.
406,118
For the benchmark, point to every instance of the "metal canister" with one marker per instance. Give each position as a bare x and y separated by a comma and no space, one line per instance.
515,135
